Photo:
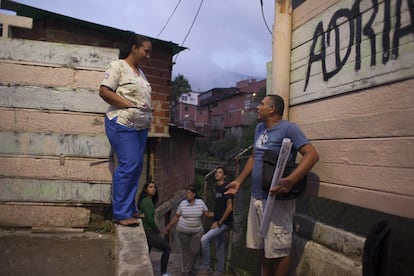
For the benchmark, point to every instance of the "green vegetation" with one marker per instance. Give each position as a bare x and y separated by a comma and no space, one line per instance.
179,86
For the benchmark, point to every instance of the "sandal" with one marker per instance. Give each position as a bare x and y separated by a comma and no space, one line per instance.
131,222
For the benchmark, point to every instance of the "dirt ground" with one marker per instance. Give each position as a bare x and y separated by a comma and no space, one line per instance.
174,264
90,253
26,253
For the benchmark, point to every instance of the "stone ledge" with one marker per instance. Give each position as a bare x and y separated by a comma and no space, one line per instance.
131,252
310,258
333,238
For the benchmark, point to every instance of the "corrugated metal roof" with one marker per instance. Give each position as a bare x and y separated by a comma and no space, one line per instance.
186,131
39,14
217,94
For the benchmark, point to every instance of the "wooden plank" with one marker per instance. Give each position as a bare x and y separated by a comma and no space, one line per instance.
57,54
359,115
58,77
325,11
309,9
54,168
52,144
385,124
350,80
395,97
383,179
396,204
300,54
382,152
48,216
52,99
307,79
58,191
31,120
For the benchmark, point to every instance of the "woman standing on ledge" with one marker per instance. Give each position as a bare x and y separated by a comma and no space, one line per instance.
127,122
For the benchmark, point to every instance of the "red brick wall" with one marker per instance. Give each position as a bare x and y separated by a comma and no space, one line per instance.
202,115
251,86
174,163
229,110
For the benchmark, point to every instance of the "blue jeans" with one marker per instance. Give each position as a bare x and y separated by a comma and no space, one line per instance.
129,146
218,235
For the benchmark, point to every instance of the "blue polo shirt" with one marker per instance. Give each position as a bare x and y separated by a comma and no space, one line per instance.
271,139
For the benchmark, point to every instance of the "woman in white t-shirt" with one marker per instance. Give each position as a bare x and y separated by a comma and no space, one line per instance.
127,122
188,217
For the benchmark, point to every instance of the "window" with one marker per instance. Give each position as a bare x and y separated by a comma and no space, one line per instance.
247,102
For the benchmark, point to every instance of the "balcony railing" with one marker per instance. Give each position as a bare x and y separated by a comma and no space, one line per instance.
208,165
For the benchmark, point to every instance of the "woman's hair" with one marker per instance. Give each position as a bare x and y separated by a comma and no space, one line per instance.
192,189
136,40
144,193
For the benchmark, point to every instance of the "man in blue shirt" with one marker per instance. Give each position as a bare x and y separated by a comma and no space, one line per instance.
269,134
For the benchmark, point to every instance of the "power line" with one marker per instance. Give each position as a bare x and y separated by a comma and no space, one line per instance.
264,18
192,24
166,23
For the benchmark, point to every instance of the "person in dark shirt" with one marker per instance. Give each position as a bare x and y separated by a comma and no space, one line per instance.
223,220
147,202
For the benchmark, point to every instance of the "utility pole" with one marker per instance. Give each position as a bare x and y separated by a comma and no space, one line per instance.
282,43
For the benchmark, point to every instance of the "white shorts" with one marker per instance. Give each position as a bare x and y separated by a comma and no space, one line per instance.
278,239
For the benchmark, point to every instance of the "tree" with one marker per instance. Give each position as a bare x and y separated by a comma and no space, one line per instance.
179,86
260,94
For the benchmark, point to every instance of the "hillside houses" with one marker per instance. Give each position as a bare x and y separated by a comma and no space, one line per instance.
219,112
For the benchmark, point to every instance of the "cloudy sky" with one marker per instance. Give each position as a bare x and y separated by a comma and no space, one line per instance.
229,40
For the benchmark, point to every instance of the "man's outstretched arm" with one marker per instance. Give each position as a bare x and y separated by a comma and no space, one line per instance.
234,186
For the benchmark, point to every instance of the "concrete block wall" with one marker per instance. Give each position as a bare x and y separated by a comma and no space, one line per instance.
52,133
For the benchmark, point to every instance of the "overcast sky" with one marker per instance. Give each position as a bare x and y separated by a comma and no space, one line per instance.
228,42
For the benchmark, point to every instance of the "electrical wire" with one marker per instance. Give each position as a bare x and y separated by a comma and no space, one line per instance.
264,18
166,23
189,30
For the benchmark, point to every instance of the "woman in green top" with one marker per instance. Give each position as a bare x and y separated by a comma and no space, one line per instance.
147,201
